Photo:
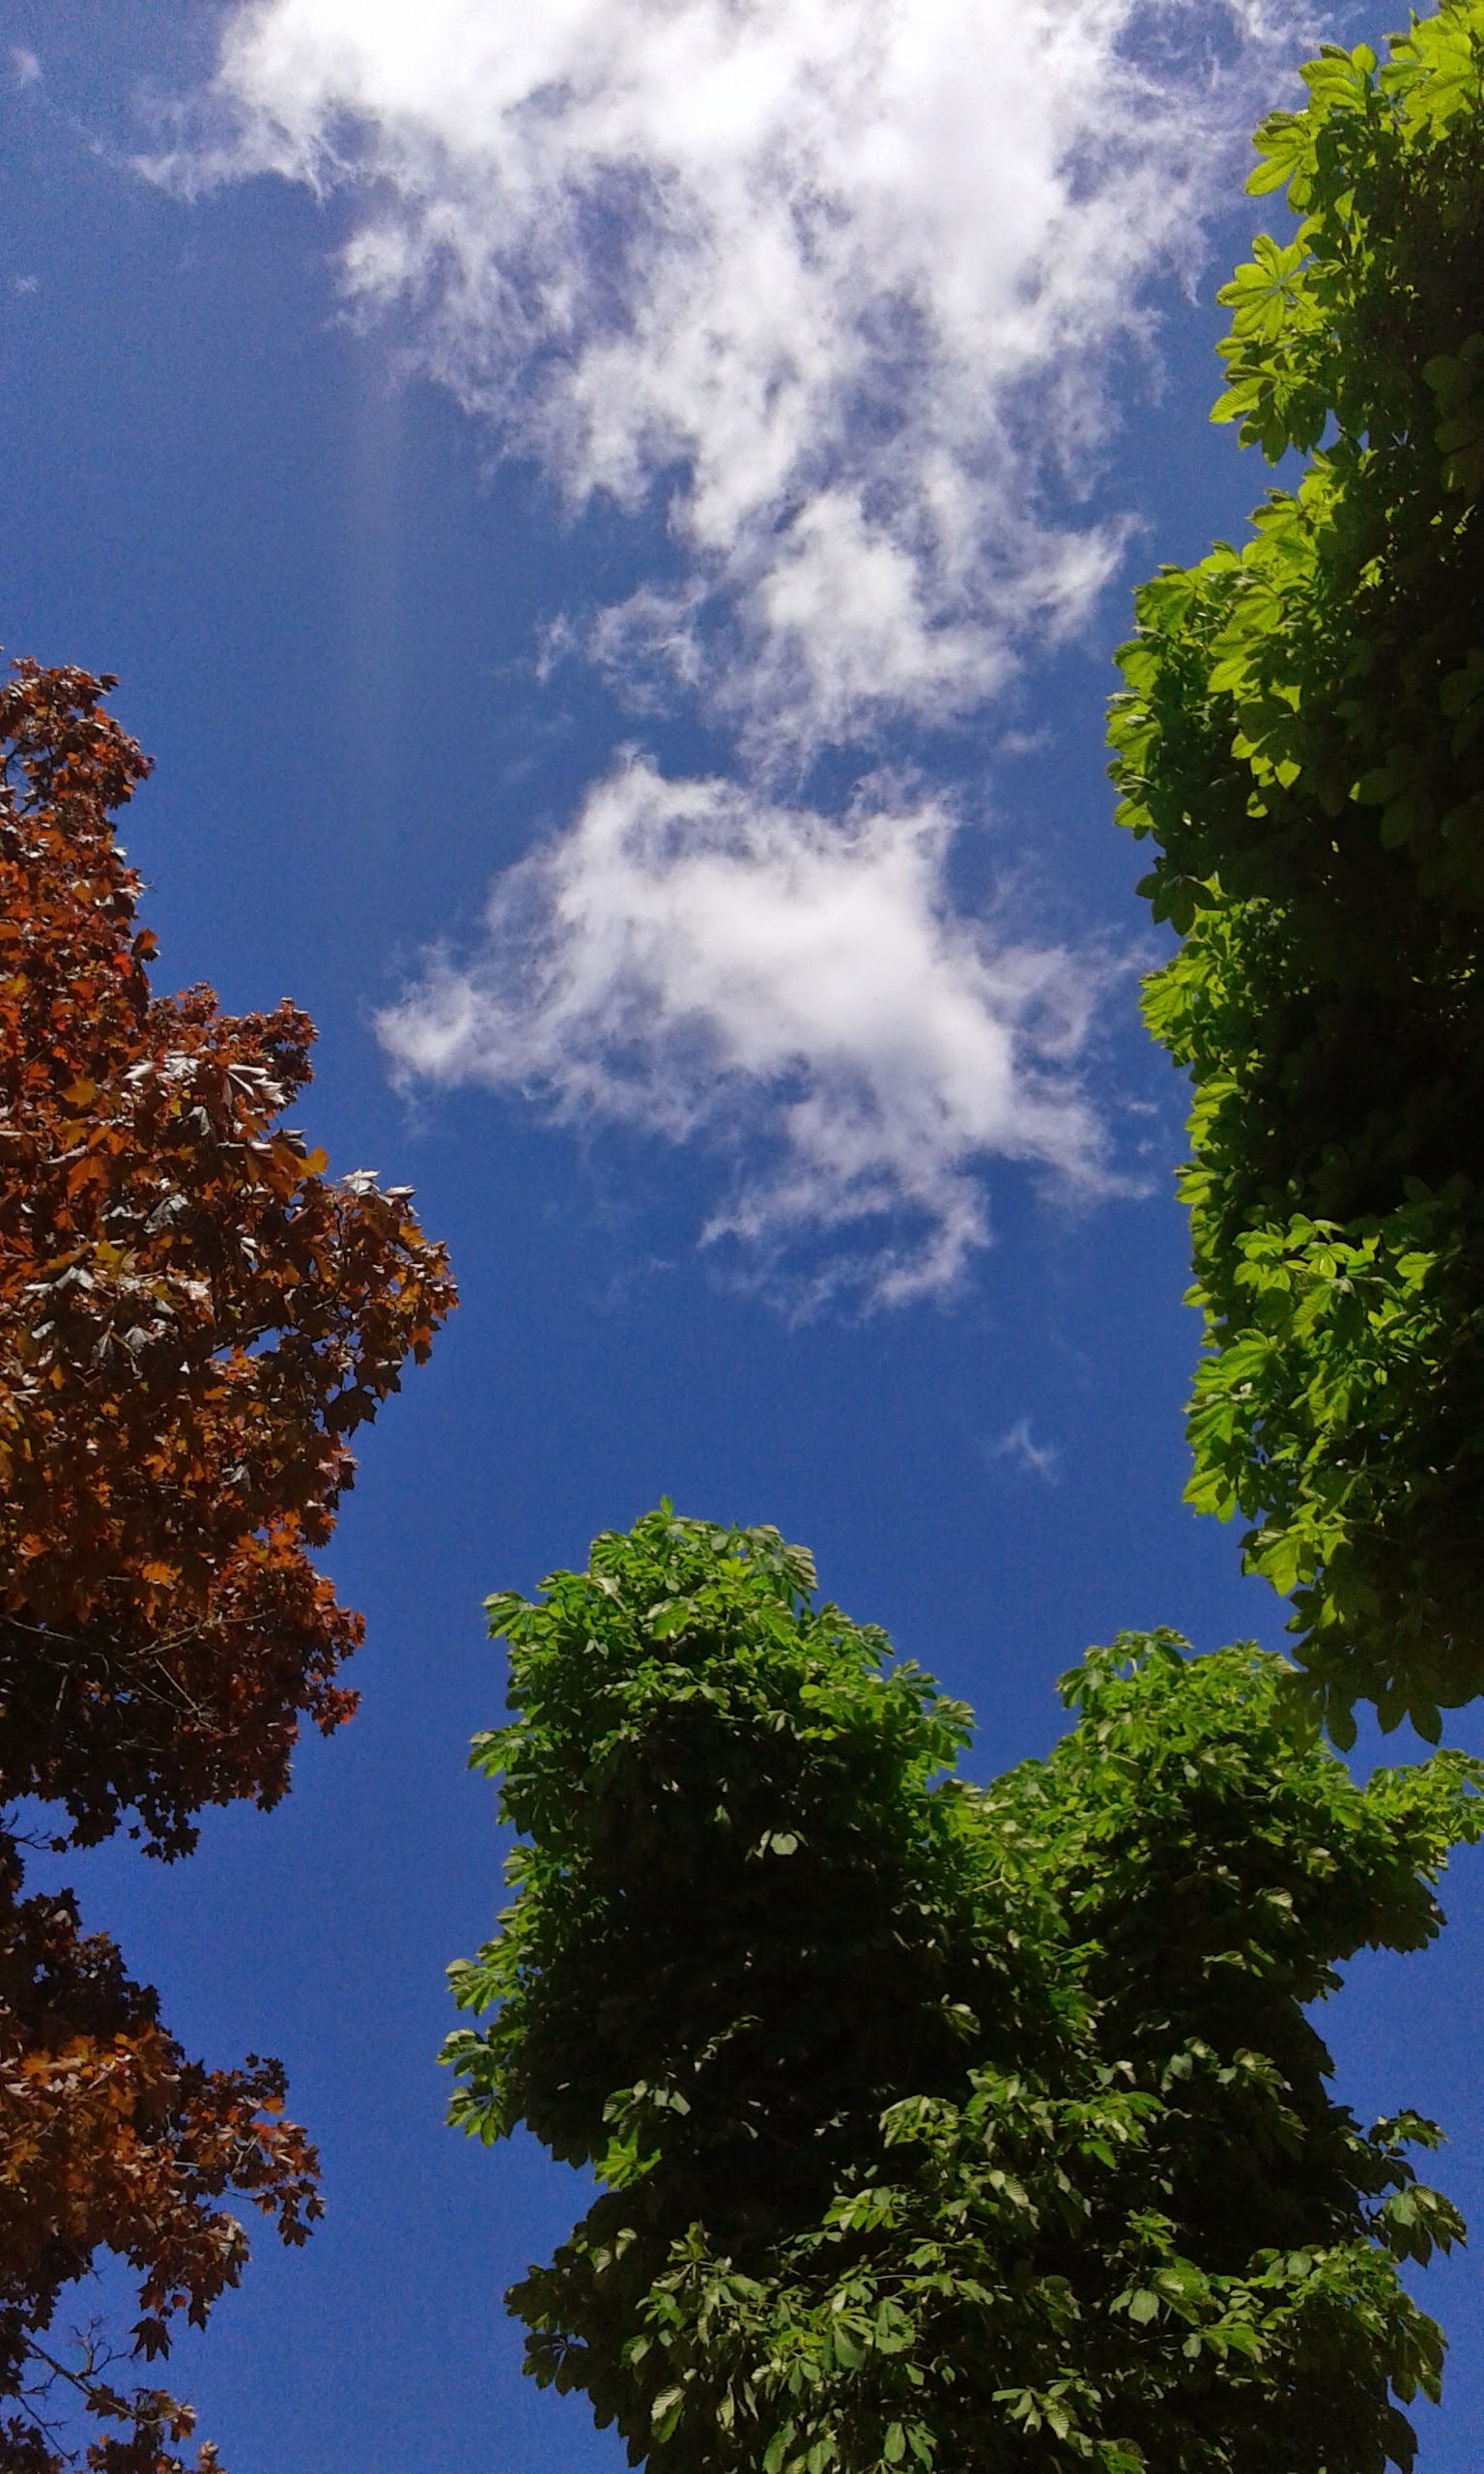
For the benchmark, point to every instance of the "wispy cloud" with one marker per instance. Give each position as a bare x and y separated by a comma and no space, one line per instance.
1017,1444
840,278
843,287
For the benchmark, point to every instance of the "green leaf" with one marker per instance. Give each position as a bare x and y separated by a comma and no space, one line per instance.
665,2411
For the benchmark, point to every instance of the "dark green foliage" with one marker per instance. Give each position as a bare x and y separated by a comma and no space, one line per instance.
1303,738
938,2126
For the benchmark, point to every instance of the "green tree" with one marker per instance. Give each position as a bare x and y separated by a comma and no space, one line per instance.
1303,739
937,2125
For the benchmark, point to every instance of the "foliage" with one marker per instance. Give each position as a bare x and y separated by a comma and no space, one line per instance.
1303,738
110,2138
193,1321
943,2126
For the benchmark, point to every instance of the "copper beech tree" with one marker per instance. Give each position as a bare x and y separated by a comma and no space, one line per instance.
195,1320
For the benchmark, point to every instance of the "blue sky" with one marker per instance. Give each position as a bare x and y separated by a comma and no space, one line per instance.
688,480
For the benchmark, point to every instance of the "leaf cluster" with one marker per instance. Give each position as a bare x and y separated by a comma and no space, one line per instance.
110,2137
1301,739
942,2126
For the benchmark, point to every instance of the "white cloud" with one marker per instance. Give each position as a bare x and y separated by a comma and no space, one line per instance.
840,286
1018,1442
691,960
841,277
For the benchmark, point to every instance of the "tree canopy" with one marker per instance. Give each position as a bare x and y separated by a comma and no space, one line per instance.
194,1319
1301,737
942,2126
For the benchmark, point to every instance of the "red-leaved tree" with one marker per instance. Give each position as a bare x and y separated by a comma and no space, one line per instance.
193,1322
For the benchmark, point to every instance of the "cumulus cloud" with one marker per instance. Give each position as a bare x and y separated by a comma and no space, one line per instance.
690,960
840,278
840,287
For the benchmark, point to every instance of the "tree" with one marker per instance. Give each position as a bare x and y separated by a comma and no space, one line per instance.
938,2125
193,1321
1301,736
111,2140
